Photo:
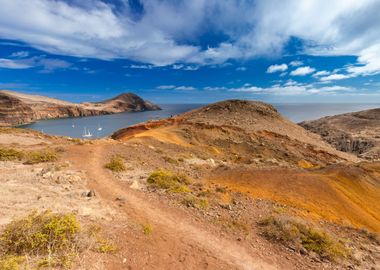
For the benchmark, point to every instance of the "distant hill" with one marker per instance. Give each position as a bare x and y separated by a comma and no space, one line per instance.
17,108
357,132
252,132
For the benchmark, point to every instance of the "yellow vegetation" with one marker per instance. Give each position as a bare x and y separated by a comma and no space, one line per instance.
169,181
298,235
116,164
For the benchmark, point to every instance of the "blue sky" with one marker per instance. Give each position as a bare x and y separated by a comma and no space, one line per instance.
192,51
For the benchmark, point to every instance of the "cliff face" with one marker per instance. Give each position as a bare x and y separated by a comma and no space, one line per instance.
357,132
17,108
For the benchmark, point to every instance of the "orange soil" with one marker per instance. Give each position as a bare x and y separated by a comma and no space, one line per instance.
345,195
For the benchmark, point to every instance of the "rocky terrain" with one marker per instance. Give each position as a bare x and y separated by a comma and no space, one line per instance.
17,108
357,132
233,185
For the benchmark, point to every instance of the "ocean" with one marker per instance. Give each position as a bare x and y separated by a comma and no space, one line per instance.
105,125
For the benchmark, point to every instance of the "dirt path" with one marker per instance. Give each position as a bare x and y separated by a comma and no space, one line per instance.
175,229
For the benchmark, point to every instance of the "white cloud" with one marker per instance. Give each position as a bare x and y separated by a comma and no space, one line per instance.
174,87
185,88
140,66
277,68
302,71
164,87
164,32
241,69
13,64
296,63
335,77
47,65
20,54
321,73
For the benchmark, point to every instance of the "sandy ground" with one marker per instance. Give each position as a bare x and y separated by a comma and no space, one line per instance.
182,237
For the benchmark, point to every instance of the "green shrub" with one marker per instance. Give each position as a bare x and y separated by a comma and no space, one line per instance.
41,156
147,229
116,164
169,181
11,262
298,235
192,201
46,234
8,154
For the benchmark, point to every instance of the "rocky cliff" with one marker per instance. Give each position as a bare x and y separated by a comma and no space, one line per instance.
357,132
17,108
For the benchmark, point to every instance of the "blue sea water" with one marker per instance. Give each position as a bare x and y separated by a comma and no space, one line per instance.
74,127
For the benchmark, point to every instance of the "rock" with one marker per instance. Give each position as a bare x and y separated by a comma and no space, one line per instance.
89,194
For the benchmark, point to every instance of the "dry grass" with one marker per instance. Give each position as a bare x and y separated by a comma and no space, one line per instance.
147,229
169,181
116,164
52,236
47,239
41,157
8,154
298,235
192,201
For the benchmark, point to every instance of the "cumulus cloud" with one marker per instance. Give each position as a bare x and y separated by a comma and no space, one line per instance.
321,73
296,63
302,71
13,64
277,68
165,31
335,77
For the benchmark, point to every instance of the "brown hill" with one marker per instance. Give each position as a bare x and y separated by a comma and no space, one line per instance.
249,131
357,132
17,108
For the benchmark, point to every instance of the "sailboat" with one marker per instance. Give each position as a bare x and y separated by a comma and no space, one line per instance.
99,128
87,133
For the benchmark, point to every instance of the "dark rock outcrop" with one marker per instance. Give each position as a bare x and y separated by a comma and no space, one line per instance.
17,108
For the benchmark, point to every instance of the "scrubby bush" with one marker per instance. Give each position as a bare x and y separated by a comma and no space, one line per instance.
298,235
41,156
48,239
116,164
8,154
53,236
192,201
169,181
147,229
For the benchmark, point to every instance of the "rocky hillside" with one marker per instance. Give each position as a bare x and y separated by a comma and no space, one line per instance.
245,131
17,108
357,132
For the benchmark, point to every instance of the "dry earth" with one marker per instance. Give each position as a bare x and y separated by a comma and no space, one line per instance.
244,175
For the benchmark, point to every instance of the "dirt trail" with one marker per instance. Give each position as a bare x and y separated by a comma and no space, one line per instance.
173,226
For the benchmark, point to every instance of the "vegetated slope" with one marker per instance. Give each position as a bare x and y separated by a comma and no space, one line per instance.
252,149
17,108
245,131
357,132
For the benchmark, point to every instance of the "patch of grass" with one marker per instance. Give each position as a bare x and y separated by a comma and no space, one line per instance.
236,225
147,229
54,236
169,181
170,160
11,262
298,235
8,154
48,239
41,156
192,201
116,164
